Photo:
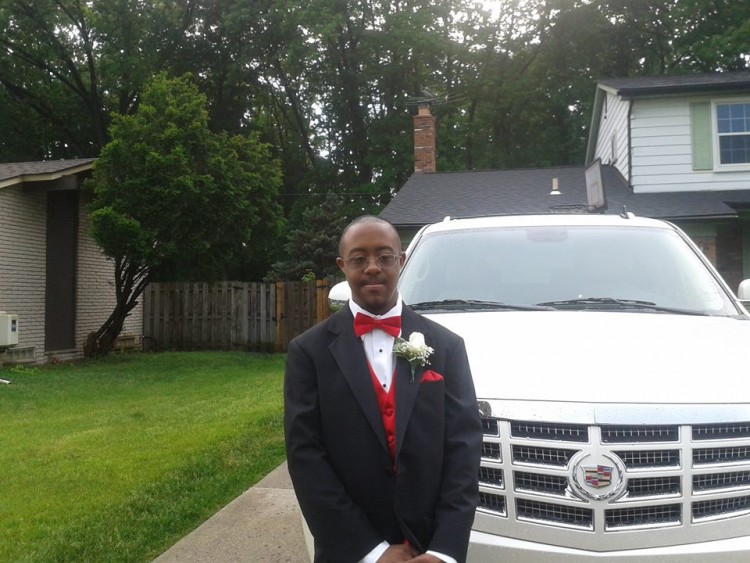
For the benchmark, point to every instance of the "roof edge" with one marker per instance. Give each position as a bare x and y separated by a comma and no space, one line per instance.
677,89
47,176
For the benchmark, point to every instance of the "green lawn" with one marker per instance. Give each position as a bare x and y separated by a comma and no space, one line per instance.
115,460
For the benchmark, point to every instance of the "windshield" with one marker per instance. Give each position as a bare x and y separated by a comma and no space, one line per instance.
617,268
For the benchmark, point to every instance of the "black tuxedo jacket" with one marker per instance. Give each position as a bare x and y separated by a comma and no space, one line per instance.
338,456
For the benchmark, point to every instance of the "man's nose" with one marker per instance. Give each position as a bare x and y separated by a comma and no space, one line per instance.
372,264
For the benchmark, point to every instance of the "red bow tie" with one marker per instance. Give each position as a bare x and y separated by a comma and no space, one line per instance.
364,324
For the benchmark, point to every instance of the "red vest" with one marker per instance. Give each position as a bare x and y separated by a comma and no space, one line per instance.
387,404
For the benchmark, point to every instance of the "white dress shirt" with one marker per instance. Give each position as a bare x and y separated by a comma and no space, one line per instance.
378,344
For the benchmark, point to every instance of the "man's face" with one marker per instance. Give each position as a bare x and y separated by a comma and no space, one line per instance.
373,288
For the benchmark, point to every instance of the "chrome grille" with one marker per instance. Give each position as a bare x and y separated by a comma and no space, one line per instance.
722,507
491,450
635,434
556,513
716,481
535,482
564,432
494,503
491,476
489,427
649,458
721,431
653,486
542,456
674,476
721,455
669,514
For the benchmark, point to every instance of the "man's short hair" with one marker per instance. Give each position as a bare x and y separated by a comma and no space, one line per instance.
366,219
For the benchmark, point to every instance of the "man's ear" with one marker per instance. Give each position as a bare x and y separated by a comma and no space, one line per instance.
401,259
340,263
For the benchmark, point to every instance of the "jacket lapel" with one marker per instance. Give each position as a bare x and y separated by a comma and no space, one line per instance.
349,354
406,387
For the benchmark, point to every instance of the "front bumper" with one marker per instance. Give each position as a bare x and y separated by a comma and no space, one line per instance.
488,548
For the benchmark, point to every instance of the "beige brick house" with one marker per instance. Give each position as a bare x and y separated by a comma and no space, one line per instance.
52,274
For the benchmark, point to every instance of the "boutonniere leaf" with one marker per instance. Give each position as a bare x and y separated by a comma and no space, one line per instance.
415,351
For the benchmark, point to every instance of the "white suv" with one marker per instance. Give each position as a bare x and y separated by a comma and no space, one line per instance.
610,362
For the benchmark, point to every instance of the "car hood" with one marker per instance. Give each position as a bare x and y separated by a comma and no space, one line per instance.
602,357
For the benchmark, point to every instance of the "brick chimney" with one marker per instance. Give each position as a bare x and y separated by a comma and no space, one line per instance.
424,140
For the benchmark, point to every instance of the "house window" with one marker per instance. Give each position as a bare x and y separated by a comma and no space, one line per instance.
733,131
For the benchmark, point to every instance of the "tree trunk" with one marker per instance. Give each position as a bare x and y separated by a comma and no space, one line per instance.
130,281
101,342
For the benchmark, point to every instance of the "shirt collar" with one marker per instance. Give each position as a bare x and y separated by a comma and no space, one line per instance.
395,312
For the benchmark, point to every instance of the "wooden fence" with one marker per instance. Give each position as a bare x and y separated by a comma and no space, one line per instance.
261,317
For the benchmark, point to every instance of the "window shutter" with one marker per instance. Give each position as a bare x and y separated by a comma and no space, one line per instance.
700,133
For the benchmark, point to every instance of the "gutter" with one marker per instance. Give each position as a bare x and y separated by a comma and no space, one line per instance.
641,91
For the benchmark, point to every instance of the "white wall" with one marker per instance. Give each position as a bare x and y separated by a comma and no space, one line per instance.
662,151
613,123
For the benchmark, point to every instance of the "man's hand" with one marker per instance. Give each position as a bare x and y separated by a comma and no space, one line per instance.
425,558
398,553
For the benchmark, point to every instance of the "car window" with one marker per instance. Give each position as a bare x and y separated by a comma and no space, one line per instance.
532,265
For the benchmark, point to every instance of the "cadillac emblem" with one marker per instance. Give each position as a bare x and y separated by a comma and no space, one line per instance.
597,475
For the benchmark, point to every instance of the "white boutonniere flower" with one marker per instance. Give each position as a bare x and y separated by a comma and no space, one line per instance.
415,351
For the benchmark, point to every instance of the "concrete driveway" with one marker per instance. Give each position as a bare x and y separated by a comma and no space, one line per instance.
262,525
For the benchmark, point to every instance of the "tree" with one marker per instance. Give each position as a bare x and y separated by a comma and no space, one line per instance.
73,63
312,247
332,84
172,198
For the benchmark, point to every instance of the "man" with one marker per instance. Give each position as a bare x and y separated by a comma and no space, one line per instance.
384,459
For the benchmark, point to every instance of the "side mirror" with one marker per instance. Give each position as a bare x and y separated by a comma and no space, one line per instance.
743,293
339,295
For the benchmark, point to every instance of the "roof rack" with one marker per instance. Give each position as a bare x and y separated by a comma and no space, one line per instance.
569,208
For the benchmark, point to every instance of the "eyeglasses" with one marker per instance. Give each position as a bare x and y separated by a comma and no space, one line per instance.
382,261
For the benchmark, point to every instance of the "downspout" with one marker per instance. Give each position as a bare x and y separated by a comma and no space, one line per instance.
594,129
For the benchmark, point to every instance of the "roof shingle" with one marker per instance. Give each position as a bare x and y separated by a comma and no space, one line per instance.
680,84
428,198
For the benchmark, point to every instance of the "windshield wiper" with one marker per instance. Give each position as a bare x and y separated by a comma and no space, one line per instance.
619,304
473,305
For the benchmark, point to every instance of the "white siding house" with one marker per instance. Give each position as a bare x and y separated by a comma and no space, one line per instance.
670,147
670,131
52,274
686,140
